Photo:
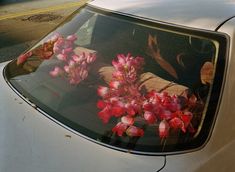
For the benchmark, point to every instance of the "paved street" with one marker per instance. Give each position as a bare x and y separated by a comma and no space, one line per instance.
23,22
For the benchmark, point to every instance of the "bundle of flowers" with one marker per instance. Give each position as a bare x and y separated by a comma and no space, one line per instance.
75,66
125,100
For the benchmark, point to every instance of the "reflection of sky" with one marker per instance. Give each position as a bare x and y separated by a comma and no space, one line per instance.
196,13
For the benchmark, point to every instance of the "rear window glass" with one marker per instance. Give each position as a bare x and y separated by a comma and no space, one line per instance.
131,85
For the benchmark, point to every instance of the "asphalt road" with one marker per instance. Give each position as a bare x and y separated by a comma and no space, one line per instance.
24,22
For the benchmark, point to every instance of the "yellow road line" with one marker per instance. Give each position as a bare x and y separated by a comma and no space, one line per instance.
44,10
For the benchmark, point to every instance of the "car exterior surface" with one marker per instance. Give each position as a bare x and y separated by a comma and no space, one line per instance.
124,86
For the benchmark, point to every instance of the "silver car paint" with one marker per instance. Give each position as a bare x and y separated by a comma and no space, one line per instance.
199,14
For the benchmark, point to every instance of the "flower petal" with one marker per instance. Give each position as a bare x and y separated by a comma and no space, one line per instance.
117,111
163,129
119,129
101,104
150,117
114,84
102,91
134,131
105,115
177,123
127,120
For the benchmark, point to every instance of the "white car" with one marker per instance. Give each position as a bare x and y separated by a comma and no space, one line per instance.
124,86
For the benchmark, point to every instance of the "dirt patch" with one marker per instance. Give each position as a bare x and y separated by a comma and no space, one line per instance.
42,18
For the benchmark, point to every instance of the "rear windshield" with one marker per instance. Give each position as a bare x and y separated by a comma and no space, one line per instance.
125,83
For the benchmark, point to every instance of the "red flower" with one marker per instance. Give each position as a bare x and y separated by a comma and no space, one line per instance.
165,114
127,120
130,109
177,123
119,129
102,91
117,111
186,118
105,115
148,106
150,117
114,84
101,104
163,129
134,131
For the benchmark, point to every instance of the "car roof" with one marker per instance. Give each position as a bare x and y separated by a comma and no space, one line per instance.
202,14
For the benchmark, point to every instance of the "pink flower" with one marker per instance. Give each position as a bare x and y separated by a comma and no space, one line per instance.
76,66
186,118
75,74
148,106
23,57
66,68
58,45
117,111
130,109
102,91
56,72
67,50
83,73
78,58
134,131
181,120
91,58
177,123
170,103
72,38
114,84
101,104
66,44
119,129
127,67
56,49
127,120
150,117
165,114
163,129
62,57
118,75
105,115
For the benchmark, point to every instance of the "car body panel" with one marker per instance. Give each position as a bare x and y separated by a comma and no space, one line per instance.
30,141
218,154
189,13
